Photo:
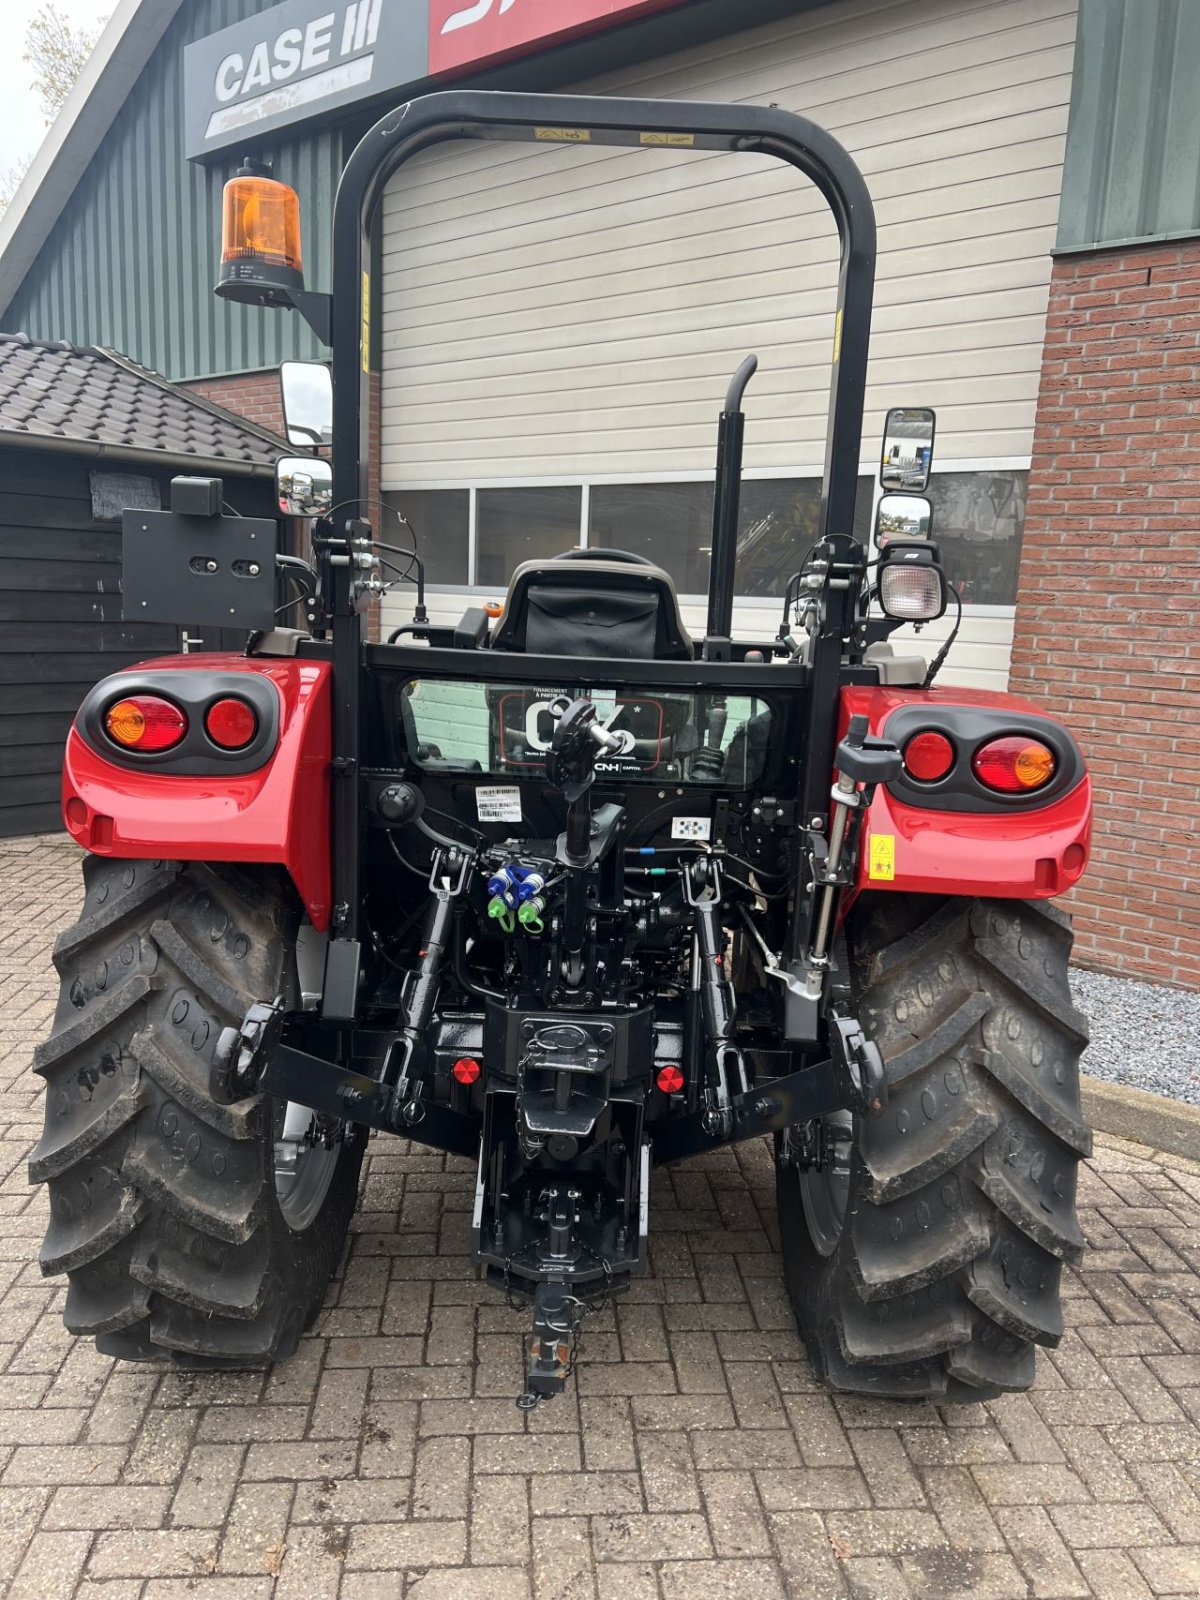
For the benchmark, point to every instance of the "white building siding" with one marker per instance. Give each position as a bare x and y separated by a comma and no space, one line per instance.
575,313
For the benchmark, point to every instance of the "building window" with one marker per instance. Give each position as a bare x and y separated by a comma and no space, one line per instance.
515,525
978,522
668,523
441,523
778,524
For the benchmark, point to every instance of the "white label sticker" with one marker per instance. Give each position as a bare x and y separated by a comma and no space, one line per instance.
691,828
498,805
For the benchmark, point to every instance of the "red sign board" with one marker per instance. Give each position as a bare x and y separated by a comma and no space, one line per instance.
468,33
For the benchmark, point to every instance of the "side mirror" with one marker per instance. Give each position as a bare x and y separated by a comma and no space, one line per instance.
307,391
902,516
304,486
907,448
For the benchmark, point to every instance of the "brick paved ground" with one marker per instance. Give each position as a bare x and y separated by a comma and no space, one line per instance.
698,1458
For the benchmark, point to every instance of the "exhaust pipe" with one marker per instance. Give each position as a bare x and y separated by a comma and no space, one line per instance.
726,502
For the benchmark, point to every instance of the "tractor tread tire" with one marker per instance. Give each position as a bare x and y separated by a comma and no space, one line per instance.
163,1209
961,1205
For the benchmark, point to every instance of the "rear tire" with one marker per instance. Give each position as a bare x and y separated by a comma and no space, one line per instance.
166,1214
958,1202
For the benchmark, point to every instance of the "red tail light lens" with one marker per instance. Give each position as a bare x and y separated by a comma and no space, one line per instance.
145,722
1014,765
231,723
928,756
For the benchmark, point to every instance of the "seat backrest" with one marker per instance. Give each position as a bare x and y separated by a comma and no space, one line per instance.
616,609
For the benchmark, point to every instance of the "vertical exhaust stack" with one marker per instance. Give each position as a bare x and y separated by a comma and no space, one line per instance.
726,502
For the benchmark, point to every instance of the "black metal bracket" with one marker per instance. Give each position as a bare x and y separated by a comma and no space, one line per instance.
292,1074
814,1091
858,1066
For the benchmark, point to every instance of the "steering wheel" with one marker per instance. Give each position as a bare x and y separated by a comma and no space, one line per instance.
602,554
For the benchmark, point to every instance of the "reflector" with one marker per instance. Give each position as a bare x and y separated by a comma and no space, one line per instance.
928,756
669,1080
145,722
231,723
1014,764
466,1070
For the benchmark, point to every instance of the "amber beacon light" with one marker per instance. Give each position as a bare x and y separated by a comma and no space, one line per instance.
260,240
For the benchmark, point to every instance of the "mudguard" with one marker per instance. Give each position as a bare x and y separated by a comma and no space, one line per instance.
277,813
1022,849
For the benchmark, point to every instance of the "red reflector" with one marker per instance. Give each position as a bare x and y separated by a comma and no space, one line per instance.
1014,765
669,1080
230,723
145,722
466,1069
928,756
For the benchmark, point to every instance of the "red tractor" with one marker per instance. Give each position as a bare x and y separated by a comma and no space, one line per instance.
565,892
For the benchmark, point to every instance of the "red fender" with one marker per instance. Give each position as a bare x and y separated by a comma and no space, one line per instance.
1020,854
280,813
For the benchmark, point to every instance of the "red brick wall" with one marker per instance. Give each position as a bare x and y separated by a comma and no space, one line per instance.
1108,610
253,395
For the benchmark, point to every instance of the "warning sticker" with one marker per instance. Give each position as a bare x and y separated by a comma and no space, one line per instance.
674,141
837,337
498,804
366,322
883,857
565,135
691,827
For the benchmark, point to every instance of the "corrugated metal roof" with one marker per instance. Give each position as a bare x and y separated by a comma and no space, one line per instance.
107,405
1133,149
131,262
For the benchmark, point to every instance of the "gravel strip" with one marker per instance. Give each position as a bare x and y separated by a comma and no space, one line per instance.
1142,1034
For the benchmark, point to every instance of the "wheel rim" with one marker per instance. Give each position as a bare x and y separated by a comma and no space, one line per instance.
306,1154
825,1189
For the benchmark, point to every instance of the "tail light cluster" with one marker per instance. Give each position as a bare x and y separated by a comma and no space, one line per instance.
150,723
1013,764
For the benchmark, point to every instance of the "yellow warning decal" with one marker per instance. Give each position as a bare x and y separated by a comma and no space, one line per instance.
883,857
674,141
565,135
837,337
366,322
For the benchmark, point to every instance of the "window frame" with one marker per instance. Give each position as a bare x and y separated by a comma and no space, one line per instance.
868,467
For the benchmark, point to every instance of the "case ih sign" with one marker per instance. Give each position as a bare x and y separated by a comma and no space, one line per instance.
306,57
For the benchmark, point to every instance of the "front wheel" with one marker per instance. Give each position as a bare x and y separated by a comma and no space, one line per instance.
185,1226
923,1247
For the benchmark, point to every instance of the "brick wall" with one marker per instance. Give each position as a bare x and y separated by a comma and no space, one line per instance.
1108,610
253,395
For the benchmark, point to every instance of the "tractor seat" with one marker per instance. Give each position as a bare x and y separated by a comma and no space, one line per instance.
593,603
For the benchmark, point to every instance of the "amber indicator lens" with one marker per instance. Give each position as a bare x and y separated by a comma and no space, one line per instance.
466,1070
1014,765
928,756
669,1080
260,222
231,723
144,722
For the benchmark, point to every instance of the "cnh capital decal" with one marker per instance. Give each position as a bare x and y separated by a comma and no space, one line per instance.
464,32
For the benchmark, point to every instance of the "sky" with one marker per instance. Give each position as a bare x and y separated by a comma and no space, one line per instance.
22,123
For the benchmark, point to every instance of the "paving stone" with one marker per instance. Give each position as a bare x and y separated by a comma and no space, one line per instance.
696,1456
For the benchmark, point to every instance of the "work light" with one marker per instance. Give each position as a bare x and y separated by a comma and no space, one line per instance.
260,240
912,585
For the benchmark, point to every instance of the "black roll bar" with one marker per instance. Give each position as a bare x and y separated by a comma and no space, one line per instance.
566,119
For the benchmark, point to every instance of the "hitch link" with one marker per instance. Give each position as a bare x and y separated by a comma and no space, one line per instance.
447,880
861,759
717,997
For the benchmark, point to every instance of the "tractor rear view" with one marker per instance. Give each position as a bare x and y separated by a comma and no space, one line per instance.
564,891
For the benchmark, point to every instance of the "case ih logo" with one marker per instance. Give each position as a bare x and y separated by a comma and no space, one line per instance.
464,33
